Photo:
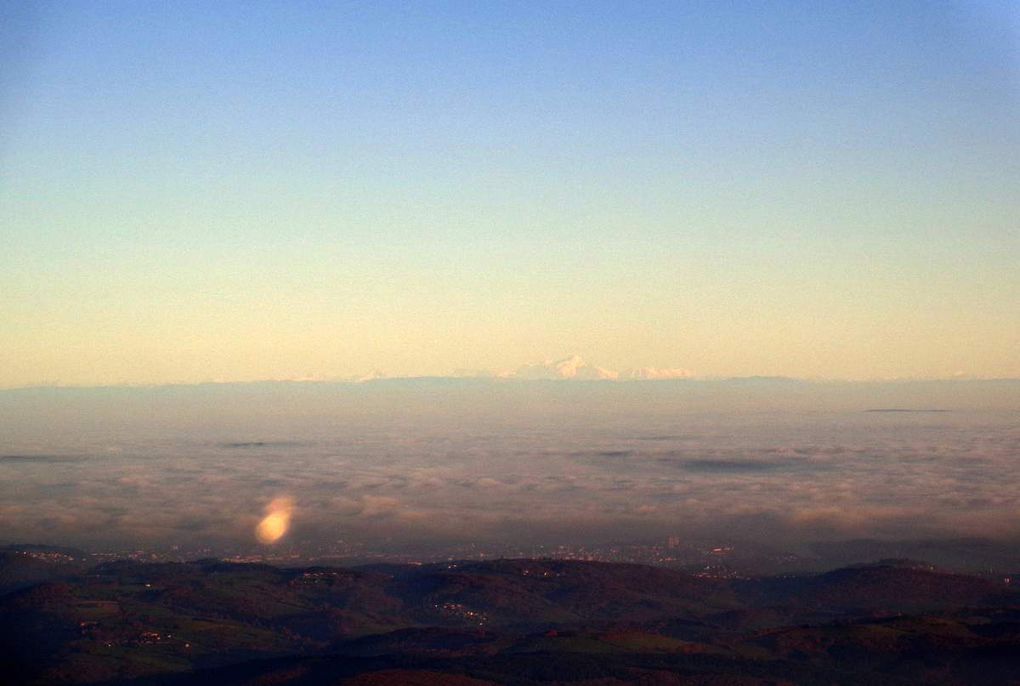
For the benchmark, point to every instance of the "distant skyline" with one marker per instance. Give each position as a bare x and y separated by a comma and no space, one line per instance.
249,191
572,368
569,369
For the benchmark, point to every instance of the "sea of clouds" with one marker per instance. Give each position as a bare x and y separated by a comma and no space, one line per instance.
448,461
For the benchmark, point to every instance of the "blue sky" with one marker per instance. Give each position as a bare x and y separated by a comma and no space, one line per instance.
192,191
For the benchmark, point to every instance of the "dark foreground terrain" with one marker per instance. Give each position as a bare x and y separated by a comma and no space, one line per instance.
499,622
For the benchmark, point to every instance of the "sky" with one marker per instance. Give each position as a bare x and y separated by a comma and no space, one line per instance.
235,191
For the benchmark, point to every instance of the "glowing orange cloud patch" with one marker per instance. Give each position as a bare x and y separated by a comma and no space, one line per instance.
274,525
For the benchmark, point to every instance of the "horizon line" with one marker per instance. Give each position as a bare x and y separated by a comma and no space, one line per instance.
496,379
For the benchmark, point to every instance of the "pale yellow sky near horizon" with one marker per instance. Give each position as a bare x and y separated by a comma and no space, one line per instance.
814,191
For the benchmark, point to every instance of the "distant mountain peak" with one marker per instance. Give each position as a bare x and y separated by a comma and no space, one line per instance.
577,368
573,367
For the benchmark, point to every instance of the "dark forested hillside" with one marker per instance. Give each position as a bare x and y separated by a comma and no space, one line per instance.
500,622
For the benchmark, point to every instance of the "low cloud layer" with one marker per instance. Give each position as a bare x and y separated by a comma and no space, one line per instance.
500,462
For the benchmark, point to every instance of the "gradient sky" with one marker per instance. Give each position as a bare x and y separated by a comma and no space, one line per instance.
194,191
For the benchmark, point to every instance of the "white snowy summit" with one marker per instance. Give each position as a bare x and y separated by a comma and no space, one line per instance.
573,367
655,374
